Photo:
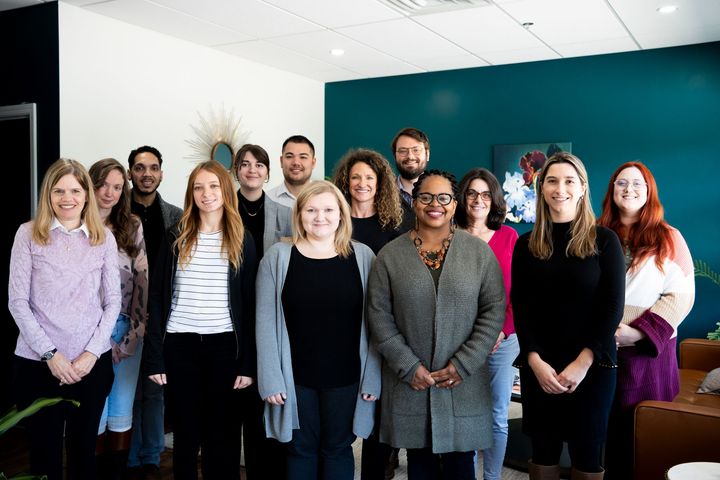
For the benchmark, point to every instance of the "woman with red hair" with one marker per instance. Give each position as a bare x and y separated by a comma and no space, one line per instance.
659,293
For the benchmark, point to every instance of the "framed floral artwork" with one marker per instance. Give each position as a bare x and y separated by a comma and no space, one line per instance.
517,168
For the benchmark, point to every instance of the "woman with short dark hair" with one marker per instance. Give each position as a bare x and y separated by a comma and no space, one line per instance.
436,305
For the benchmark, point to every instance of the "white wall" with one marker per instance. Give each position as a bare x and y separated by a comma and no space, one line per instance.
123,86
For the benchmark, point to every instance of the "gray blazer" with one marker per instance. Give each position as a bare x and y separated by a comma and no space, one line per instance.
170,213
411,324
275,373
278,224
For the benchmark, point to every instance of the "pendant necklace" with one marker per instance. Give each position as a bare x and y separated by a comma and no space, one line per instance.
256,211
433,258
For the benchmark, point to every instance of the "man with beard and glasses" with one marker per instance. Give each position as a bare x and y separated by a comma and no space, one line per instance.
297,163
411,148
148,438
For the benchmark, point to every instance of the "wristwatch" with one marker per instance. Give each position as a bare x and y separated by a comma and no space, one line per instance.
48,355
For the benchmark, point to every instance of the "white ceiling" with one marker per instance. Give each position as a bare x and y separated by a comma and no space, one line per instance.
380,40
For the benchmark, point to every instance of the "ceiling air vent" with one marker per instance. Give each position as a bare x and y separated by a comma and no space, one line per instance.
422,7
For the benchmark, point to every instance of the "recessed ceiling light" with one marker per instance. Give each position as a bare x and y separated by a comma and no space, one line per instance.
667,9
338,52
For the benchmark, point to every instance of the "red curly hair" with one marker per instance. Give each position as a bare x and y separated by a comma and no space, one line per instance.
651,234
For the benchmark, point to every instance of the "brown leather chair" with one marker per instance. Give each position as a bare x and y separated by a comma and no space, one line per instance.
686,429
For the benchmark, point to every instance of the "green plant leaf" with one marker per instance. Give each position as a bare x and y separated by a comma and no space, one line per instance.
13,416
703,270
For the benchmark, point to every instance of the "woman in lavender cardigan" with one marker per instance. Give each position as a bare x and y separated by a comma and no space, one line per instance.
64,294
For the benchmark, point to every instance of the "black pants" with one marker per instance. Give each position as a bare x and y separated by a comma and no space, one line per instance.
265,458
322,447
423,464
201,371
585,454
33,380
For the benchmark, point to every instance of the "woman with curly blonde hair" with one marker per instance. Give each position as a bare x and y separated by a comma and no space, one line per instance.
366,179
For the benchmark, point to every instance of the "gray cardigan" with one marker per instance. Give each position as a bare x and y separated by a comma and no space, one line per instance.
278,224
411,323
273,348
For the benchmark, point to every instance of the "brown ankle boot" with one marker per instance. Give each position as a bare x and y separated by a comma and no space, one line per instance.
578,475
543,472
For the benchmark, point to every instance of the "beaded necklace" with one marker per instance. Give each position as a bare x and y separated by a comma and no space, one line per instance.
433,258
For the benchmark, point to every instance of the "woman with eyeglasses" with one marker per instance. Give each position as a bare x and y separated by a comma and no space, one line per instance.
481,212
567,296
659,293
436,305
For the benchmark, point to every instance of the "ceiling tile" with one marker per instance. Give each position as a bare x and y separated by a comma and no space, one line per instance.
358,58
450,63
567,21
403,39
519,56
338,13
254,18
167,21
276,56
480,30
12,4
695,21
596,48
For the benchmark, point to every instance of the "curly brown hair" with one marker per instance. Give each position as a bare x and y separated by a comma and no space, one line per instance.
387,196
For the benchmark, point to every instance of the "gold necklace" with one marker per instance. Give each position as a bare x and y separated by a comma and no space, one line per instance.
248,211
433,258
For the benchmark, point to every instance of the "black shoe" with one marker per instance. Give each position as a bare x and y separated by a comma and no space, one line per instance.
151,472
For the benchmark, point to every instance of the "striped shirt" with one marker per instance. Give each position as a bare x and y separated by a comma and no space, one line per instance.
200,302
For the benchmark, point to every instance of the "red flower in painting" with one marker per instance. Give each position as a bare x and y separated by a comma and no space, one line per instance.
531,163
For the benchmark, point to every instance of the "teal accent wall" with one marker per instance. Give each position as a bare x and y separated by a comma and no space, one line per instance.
661,107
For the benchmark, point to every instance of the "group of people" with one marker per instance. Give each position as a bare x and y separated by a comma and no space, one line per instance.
292,321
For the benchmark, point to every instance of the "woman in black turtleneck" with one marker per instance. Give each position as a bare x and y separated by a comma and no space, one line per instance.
568,297
268,222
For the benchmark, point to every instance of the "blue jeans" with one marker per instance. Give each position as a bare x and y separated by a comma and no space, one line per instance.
117,414
501,381
322,447
148,436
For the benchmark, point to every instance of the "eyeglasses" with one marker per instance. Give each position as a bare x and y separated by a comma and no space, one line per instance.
404,152
636,184
442,198
472,195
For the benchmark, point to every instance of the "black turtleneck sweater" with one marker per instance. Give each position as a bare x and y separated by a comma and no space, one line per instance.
253,217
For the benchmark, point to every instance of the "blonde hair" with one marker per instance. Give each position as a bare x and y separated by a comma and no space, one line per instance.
343,234
387,193
583,230
90,215
232,226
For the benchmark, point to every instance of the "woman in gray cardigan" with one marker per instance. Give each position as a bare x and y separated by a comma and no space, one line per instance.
436,304
317,372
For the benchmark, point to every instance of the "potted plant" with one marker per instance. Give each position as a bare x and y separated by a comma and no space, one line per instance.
13,416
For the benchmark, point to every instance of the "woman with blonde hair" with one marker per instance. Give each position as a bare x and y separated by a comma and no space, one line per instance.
112,191
567,296
201,336
659,293
368,183
317,372
64,295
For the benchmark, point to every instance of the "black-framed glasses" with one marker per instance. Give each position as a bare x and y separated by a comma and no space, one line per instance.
404,152
636,184
472,195
442,198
